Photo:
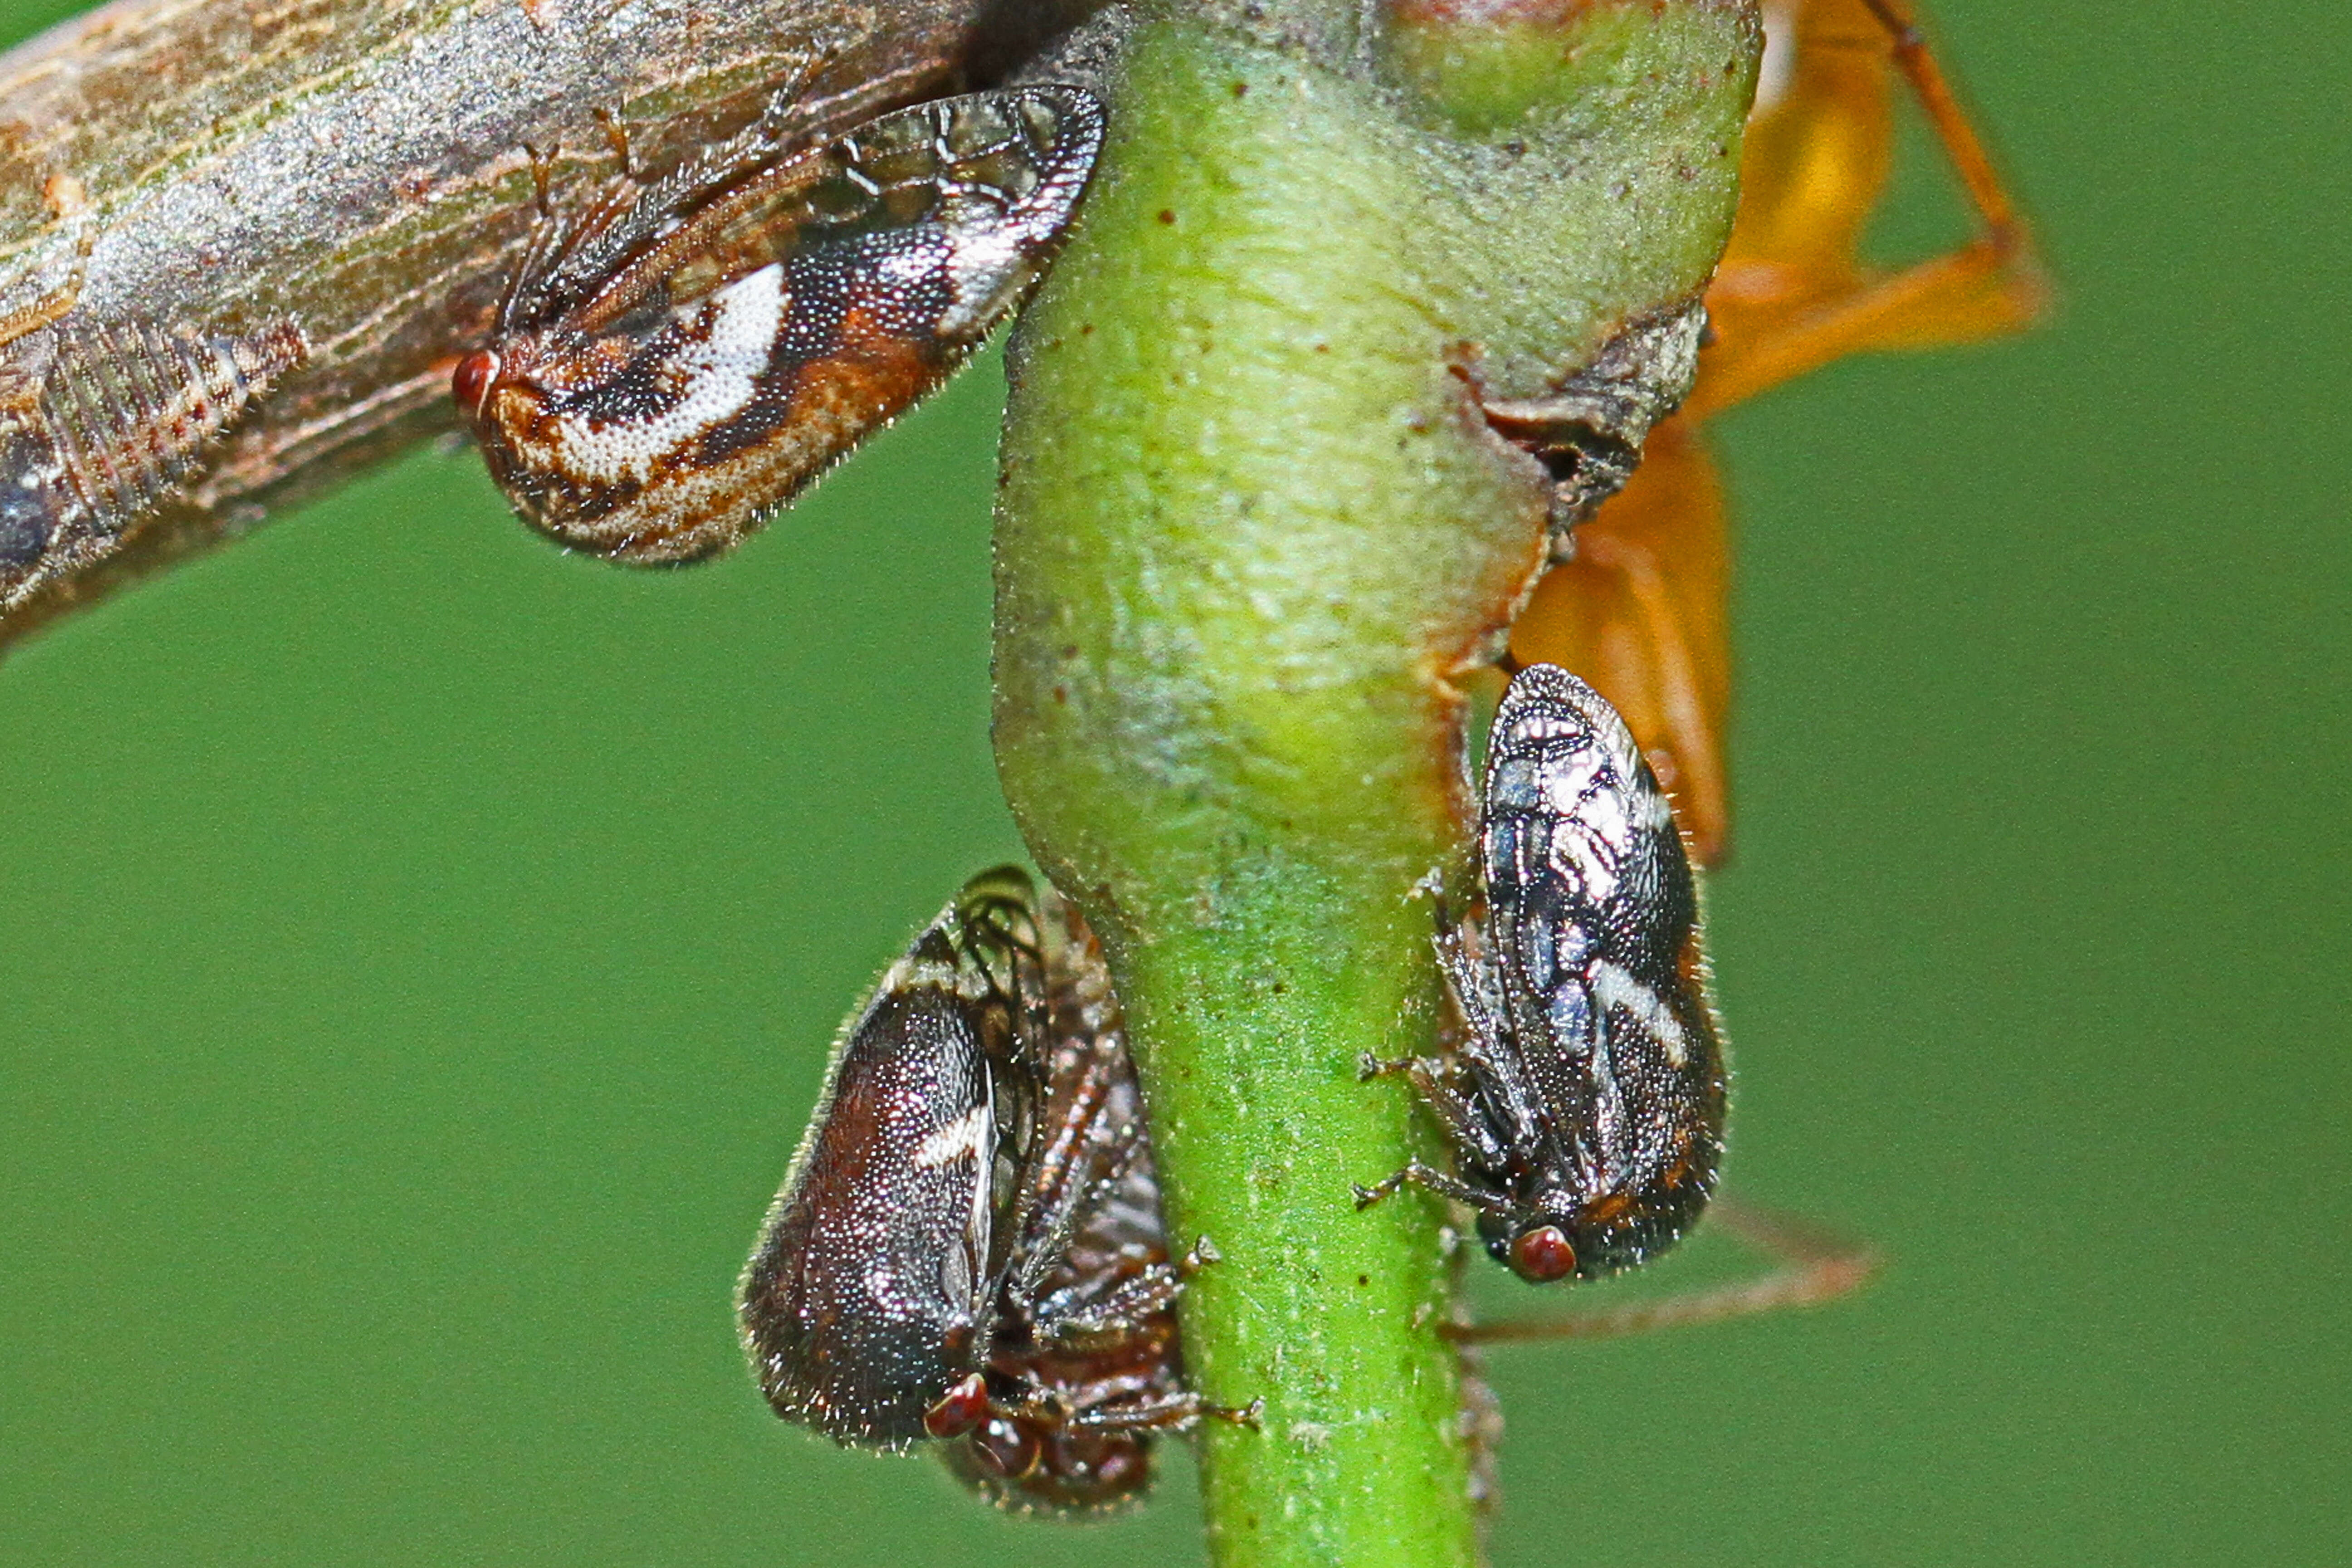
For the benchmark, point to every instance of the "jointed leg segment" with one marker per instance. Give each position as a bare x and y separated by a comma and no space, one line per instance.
1988,287
1815,1268
1443,1182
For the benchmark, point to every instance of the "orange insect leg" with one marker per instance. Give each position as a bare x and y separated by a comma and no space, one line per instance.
1640,611
1640,614
1791,295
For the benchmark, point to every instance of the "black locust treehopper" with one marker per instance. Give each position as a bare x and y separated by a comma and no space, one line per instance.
1585,1104
698,350
862,1303
969,1247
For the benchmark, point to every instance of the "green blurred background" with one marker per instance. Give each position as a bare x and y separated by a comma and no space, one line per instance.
418,950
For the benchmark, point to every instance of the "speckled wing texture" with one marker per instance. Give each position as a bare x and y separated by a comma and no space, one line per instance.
689,361
969,1248
1598,1062
862,1299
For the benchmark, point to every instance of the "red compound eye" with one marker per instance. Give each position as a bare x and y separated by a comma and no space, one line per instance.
477,373
960,1409
1541,1256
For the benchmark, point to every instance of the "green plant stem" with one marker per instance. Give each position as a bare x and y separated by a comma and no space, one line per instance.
1252,536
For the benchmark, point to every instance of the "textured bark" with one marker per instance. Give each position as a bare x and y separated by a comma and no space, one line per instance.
361,170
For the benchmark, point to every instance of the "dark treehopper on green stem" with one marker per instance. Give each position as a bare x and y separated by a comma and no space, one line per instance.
1585,1105
968,1249
1585,1102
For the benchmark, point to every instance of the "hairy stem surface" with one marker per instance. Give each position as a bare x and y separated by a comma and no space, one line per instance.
1254,532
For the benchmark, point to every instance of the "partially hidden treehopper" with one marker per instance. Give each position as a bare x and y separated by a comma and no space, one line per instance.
969,1248
698,349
